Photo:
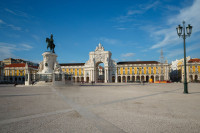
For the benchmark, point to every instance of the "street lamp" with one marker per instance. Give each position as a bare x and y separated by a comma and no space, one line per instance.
181,29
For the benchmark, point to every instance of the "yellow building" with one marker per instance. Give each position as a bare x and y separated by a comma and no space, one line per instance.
129,71
193,70
74,69
134,71
15,73
149,71
180,64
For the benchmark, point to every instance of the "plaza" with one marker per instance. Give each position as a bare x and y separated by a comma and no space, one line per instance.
115,72
100,108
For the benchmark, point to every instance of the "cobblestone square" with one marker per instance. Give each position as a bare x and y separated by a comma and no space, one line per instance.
100,108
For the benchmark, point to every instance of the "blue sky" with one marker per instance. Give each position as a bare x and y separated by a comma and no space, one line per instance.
131,29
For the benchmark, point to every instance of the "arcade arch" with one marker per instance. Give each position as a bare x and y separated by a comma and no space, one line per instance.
100,56
100,75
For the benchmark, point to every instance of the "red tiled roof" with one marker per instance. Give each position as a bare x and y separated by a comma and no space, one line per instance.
20,65
194,60
72,64
16,65
138,62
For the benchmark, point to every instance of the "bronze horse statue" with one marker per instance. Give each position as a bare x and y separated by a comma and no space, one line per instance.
50,43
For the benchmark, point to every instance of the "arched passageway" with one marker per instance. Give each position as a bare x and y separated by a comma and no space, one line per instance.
124,79
161,78
191,78
82,79
147,78
87,79
152,79
100,75
119,79
133,78
142,78
138,78
113,79
196,78
128,79
157,78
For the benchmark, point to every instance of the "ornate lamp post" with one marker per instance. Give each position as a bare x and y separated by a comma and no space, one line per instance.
181,33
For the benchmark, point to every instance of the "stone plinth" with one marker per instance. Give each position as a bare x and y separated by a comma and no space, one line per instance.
47,66
49,59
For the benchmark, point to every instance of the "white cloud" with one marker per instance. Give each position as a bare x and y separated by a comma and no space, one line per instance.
169,35
10,11
177,52
144,50
7,49
14,27
109,40
37,38
120,28
16,12
10,25
128,55
116,60
142,9
132,12
150,6
189,14
1,21
26,47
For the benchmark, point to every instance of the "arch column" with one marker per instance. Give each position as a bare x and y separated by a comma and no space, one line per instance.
94,75
116,76
193,76
90,76
84,76
106,75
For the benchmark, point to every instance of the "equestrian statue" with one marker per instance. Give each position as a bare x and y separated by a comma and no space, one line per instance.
50,43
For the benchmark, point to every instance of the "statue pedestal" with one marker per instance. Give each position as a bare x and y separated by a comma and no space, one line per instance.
49,59
48,64
49,67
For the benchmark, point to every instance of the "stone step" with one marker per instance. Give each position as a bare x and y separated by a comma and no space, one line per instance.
43,83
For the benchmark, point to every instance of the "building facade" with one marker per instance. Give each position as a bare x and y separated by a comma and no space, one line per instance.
176,69
193,70
149,71
15,73
1,71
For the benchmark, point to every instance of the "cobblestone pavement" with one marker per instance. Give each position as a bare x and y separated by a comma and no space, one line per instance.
100,108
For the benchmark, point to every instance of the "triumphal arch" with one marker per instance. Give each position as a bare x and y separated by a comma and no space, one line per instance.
120,72
91,70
